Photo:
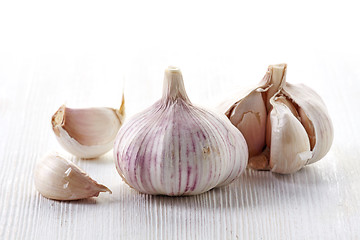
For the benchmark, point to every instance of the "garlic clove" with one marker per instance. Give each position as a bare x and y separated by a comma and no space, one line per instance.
249,116
60,179
315,118
175,148
290,147
87,132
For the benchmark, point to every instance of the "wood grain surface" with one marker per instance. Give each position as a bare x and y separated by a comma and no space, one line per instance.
86,53
319,202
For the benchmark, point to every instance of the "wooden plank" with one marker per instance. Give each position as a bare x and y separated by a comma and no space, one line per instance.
319,202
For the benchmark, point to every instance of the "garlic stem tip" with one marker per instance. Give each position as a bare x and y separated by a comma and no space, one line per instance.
121,111
173,69
105,189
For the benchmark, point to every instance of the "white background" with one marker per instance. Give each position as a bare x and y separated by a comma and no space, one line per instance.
85,53
128,39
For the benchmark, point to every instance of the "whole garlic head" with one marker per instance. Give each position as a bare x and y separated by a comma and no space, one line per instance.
286,126
175,148
87,132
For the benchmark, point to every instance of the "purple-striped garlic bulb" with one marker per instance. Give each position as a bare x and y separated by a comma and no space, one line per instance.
286,126
175,148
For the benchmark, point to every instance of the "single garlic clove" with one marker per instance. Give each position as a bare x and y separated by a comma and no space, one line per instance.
175,148
249,116
315,118
59,179
88,132
290,147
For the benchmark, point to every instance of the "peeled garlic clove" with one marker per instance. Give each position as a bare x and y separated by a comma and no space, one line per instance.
298,129
60,179
175,148
87,132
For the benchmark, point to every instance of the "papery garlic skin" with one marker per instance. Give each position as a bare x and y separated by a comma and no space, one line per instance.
60,179
87,132
174,148
251,121
299,130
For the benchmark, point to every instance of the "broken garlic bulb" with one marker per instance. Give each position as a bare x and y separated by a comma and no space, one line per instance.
175,148
87,132
60,179
286,126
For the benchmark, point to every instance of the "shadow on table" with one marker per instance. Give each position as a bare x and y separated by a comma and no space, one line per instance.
253,189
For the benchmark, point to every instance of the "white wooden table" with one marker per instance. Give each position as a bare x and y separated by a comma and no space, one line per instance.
88,59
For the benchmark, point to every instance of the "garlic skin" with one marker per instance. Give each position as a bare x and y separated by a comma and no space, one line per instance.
60,179
298,130
87,132
175,148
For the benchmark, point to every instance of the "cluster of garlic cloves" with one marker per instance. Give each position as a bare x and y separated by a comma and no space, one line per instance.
60,179
87,132
286,126
175,148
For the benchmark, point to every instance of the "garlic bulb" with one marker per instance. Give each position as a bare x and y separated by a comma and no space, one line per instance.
286,126
88,132
60,179
175,148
